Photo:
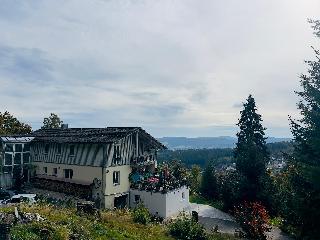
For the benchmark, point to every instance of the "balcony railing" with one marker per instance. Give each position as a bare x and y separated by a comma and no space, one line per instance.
143,160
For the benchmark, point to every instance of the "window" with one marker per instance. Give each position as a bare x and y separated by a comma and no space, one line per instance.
59,149
7,169
116,155
68,173
46,149
9,147
117,151
137,198
17,158
183,196
26,157
18,147
116,177
45,170
71,150
8,159
26,147
55,171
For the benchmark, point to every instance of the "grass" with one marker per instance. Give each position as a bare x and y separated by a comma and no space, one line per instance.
63,223
201,200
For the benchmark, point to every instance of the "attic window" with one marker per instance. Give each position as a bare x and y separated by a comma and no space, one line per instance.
71,150
117,151
46,149
59,148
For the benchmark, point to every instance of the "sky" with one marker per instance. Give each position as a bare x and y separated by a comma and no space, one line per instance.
173,67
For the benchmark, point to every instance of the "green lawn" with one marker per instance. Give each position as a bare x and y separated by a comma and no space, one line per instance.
202,200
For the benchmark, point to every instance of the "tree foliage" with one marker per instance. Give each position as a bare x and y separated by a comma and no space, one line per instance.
253,219
208,187
304,211
9,125
251,151
53,121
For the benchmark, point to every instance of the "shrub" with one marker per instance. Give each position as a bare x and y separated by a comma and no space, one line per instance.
33,231
254,219
185,228
141,215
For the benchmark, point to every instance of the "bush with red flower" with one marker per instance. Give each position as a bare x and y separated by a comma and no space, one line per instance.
253,219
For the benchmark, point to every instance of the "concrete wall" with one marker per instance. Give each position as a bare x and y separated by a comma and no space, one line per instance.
162,205
174,201
6,180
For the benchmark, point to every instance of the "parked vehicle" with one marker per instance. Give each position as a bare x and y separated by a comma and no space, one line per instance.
29,198
4,195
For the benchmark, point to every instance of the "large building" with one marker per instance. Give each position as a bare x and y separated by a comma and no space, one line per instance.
92,163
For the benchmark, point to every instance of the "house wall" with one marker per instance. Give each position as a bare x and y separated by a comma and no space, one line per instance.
114,190
81,174
162,205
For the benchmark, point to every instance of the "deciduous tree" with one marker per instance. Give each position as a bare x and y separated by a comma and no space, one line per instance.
9,125
53,121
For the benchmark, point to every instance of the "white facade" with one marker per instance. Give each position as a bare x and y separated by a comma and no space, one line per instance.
164,205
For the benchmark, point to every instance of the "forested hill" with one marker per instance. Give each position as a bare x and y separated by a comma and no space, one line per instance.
175,143
217,156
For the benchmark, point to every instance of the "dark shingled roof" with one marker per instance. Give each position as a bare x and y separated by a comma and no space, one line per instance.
92,135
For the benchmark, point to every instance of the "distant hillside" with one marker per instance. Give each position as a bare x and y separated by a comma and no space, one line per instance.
217,156
176,143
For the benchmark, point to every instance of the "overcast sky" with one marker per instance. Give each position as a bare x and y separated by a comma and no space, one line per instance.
174,67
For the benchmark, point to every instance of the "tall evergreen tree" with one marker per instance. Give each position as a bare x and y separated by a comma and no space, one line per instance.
208,186
305,162
251,151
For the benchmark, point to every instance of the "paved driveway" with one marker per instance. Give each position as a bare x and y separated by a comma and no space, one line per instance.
211,217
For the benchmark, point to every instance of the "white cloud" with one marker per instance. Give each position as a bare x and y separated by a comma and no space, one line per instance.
173,66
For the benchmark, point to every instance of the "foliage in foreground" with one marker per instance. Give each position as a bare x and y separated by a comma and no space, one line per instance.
253,219
185,228
65,223
141,215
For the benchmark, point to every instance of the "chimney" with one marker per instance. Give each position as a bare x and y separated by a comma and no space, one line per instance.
64,126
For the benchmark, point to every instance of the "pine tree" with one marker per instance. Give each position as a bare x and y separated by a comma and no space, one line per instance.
305,162
208,186
251,151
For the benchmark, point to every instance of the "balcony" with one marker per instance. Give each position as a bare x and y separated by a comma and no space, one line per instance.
143,160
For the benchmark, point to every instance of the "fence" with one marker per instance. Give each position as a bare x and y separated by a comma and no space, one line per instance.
6,180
